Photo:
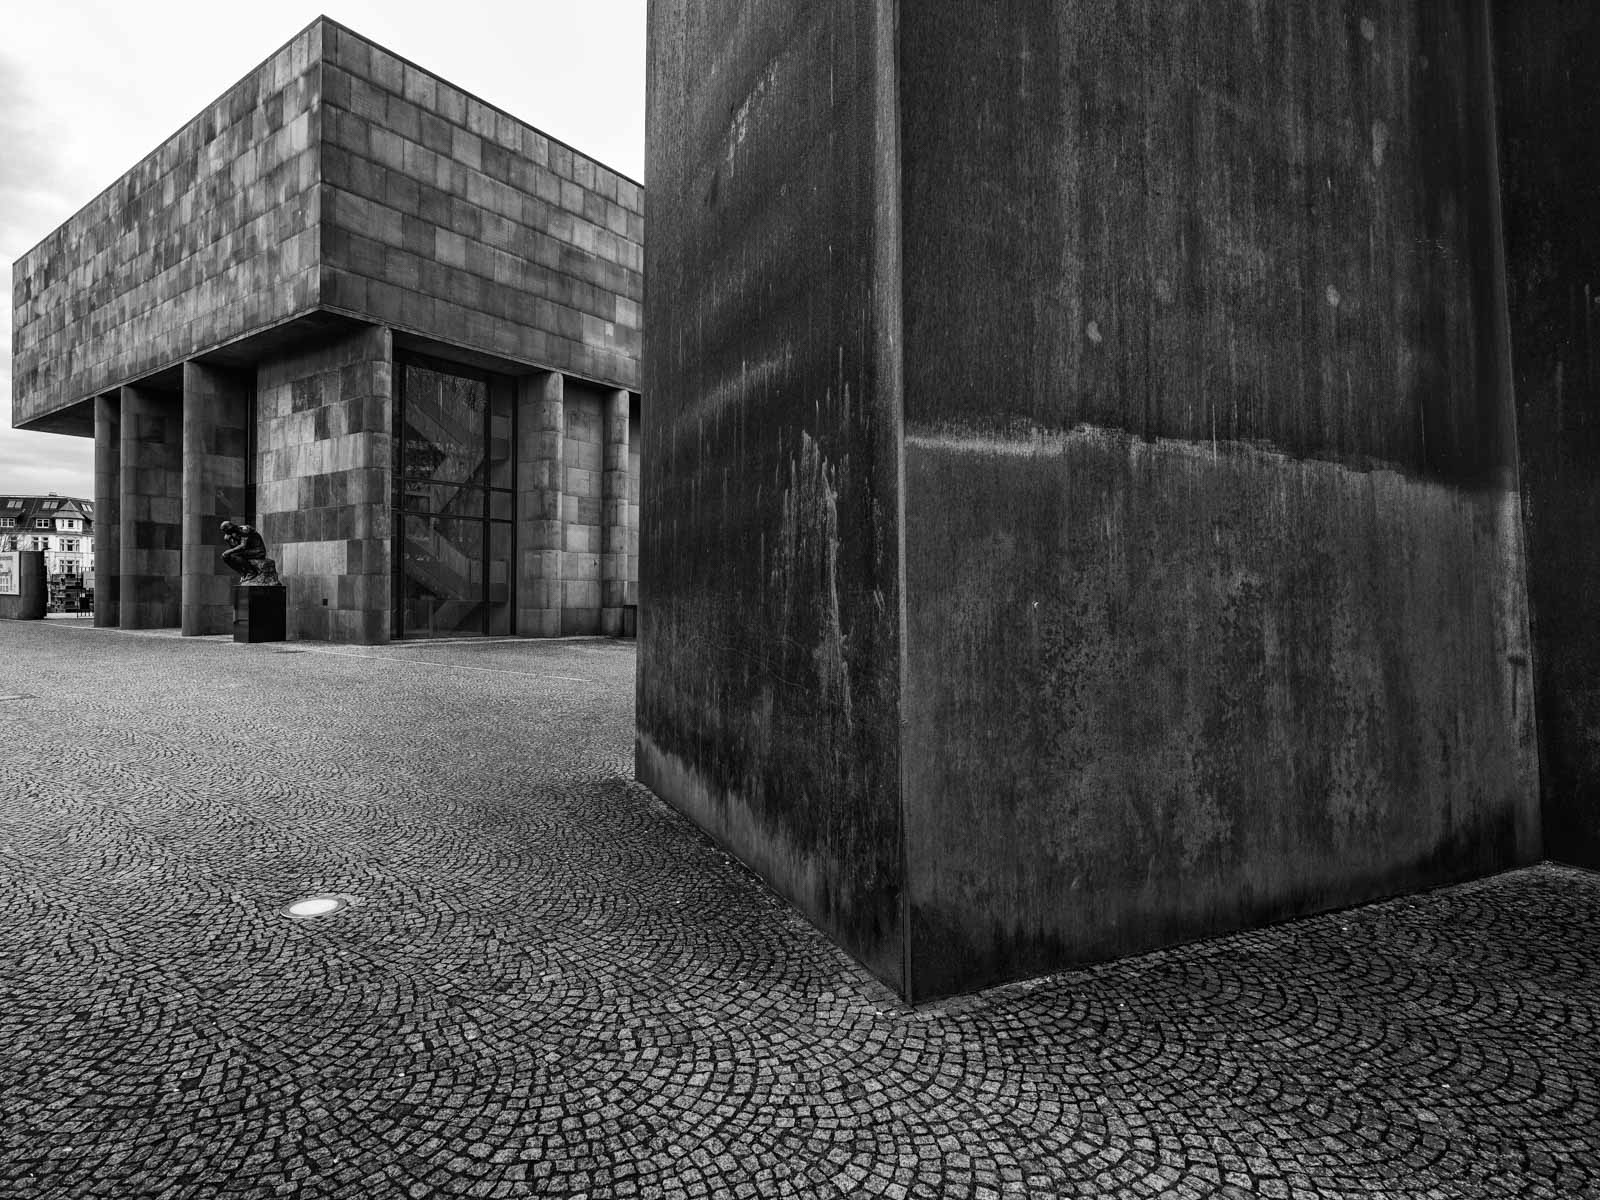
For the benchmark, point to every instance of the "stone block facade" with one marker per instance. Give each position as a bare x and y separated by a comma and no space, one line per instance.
210,237
614,510
108,511
324,415
630,567
227,320
582,500
216,408
541,451
151,508
446,217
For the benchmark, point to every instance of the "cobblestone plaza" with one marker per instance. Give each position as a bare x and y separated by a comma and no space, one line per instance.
547,983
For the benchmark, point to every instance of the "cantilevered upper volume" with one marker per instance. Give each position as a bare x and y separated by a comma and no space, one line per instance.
334,181
391,326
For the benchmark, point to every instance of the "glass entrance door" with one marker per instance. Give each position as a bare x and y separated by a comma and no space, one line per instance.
454,502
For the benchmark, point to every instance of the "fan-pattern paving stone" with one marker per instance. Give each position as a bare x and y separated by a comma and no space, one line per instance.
548,984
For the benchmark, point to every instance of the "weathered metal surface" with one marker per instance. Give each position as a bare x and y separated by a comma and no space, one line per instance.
769,606
1213,599
1235,222
1214,580
1162,690
1548,59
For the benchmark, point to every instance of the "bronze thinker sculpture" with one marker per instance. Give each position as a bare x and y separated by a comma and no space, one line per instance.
247,554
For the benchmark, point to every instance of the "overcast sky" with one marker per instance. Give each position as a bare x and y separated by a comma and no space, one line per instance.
89,87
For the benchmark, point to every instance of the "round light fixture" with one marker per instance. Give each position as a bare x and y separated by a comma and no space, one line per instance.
316,906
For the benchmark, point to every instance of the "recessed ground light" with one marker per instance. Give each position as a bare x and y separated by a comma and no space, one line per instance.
316,906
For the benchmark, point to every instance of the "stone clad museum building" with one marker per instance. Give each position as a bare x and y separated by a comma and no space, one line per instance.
392,326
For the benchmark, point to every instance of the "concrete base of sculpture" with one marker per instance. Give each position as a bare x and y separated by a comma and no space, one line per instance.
260,612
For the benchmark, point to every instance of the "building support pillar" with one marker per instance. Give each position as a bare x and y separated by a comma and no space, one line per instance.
541,437
151,509
216,407
107,509
614,514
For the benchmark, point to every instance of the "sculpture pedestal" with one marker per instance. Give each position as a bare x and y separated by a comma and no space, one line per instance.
260,613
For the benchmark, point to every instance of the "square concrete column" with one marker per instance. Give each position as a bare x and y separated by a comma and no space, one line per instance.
216,405
582,468
107,509
541,429
614,514
152,506
324,420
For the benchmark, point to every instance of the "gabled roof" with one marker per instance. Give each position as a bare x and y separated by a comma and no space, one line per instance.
26,509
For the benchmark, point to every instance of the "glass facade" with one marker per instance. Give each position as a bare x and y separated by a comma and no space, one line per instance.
454,502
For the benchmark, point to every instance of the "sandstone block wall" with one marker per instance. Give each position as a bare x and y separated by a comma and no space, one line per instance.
541,450
324,420
212,235
151,508
582,466
336,178
337,187
216,408
108,511
630,569
446,217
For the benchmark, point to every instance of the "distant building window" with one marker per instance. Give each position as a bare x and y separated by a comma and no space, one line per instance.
40,543
13,503
8,522
9,543
68,566
41,522
69,545
66,523
49,504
